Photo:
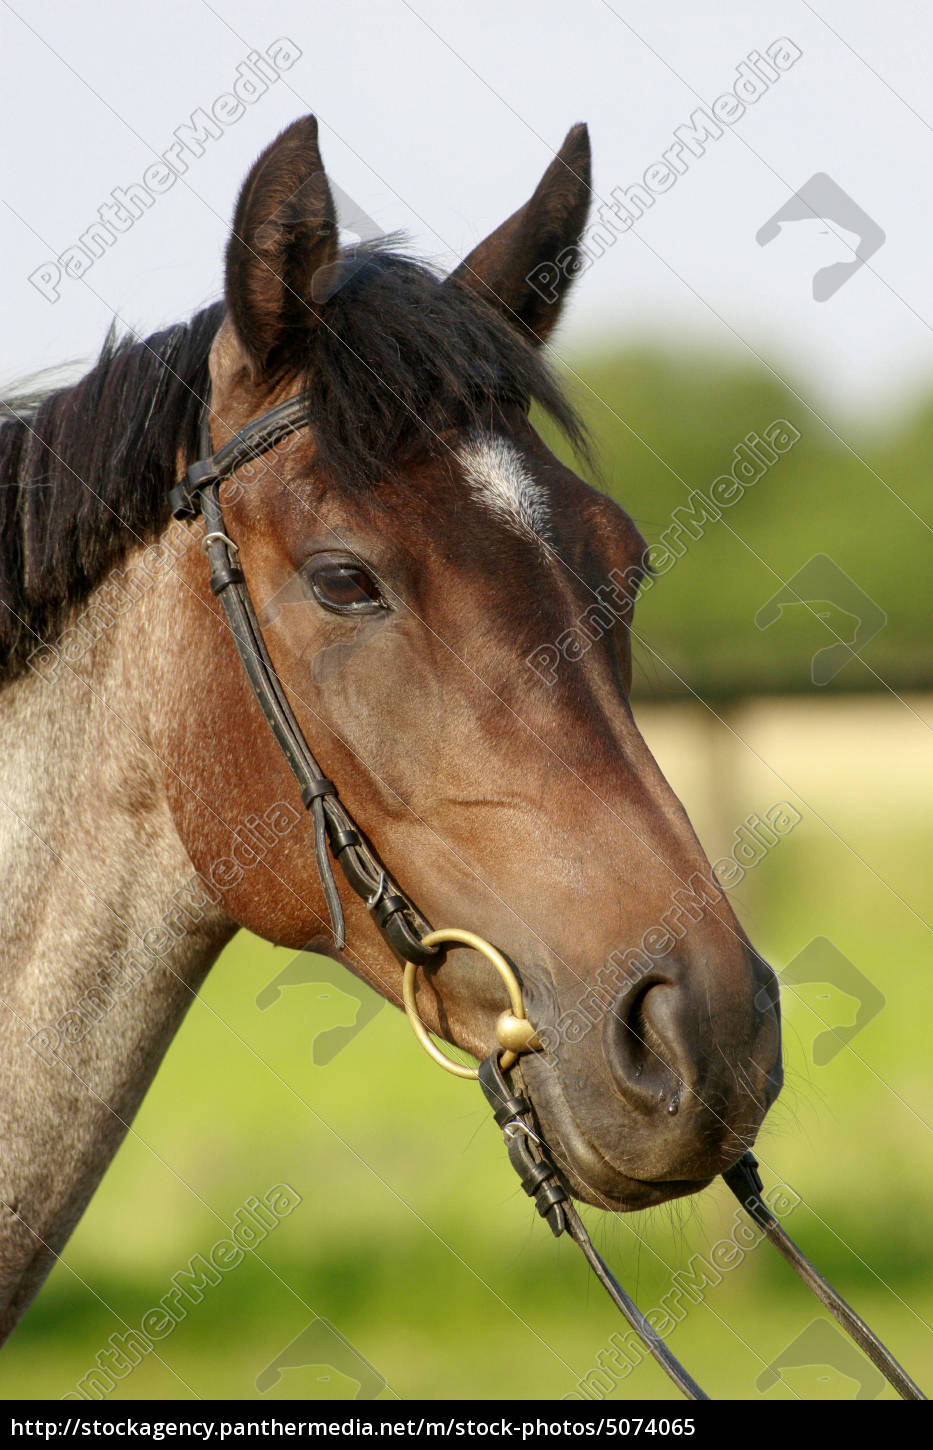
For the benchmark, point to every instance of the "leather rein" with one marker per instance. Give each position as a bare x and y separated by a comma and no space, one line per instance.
338,839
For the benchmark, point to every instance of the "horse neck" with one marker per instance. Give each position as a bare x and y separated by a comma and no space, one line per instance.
105,935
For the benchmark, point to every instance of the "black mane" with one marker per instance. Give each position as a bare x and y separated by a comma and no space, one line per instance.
396,359
401,357
84,473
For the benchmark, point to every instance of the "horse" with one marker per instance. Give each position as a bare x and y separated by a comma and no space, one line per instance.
412,545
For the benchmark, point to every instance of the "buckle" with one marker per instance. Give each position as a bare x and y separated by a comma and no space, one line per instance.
184,499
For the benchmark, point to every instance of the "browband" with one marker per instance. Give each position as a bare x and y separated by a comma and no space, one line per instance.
251,442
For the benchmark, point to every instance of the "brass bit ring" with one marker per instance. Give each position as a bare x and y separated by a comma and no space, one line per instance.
514,1032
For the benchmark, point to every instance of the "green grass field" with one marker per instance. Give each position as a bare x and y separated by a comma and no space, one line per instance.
412,1237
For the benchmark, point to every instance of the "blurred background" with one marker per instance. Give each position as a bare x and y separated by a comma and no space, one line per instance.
783,657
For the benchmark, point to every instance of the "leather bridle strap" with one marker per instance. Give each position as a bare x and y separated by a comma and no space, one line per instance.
251,442
541,1179
335,831
745,1182
336,835
532,1161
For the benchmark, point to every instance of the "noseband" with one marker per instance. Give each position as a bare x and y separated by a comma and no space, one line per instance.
408,933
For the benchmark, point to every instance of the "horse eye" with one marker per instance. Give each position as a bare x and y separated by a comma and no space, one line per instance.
345,589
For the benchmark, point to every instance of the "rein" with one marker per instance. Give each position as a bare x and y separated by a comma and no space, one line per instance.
409,934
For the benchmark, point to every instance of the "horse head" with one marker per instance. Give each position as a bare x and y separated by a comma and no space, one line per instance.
414,555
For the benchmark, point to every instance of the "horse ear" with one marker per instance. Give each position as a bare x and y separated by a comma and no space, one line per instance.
284,231
516,269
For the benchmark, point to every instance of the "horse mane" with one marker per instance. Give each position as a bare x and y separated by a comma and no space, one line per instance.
397,358
402,356
84,473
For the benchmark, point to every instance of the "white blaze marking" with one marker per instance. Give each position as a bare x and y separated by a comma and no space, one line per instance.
498,477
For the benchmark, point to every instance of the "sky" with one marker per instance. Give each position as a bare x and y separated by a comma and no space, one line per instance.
438,120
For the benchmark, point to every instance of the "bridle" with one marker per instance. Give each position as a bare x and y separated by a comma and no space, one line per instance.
338,838
335,832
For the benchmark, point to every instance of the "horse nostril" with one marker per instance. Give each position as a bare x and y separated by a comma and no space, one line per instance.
644,1042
